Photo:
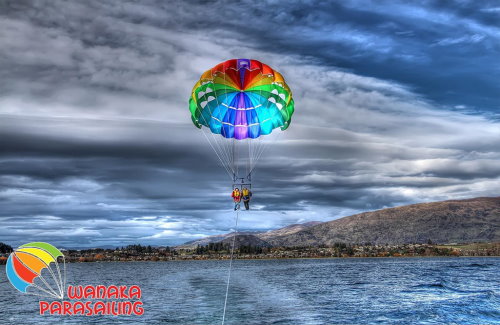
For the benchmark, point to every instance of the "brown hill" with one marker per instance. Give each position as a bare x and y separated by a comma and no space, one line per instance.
288,230
210,239
263,236
246,240
456,221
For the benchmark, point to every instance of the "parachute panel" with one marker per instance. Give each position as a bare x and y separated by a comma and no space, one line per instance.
31,261
40,253
47,247
14,278
22,270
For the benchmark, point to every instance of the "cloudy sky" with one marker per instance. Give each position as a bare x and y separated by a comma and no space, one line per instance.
396,103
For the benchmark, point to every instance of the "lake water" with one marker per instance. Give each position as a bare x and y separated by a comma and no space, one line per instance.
300,291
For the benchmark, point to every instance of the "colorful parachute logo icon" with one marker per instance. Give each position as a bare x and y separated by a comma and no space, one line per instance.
27,263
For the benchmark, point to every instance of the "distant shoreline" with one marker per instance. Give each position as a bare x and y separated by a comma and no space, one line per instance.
221,252
289,258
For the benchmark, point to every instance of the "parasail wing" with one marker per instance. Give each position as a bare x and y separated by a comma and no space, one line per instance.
241,99
236,104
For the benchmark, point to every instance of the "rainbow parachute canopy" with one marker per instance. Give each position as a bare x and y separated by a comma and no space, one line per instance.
241,99
25,265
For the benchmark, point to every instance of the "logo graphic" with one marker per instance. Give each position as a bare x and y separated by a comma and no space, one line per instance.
27,263
34,269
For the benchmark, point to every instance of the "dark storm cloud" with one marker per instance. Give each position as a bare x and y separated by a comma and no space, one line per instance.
428,46
96,146
446,51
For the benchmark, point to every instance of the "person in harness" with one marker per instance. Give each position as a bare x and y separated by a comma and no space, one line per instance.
246,195
236,195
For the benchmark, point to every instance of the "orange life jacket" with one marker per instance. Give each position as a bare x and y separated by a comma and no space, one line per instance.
236,195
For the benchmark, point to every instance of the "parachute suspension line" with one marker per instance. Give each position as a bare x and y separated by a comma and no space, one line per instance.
221,152
64,276
229,144
219,145
52,292
62,280
249,160
60,286
260,151
222,142
220,159
259,143
263,147
54,278
225,152
230,264
236,155
226,143
48,294
250,150
255,150
218,153
235,165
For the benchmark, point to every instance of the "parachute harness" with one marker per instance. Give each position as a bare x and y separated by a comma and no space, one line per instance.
230,264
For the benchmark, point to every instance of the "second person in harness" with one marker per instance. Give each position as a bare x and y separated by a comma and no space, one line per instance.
246,195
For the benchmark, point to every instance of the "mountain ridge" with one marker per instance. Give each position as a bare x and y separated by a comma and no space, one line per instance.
259,240
450,221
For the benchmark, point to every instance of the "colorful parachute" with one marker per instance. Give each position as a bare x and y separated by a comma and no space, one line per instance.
26,264
240,99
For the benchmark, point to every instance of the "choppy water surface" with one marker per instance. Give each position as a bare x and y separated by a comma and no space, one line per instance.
308,291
